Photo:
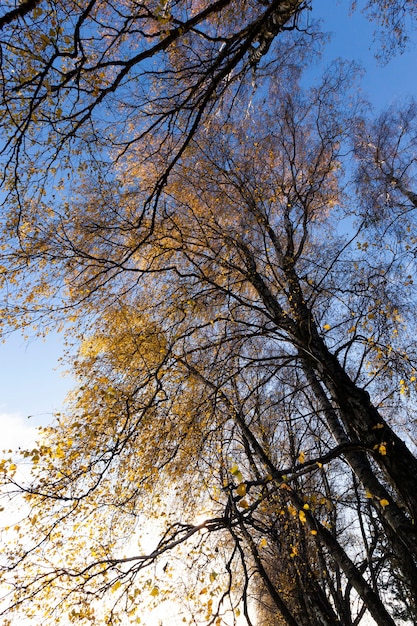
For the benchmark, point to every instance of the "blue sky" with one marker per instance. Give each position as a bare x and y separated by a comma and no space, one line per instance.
31,380
352,39
31,383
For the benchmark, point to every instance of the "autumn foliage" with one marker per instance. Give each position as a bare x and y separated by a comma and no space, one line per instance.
234,267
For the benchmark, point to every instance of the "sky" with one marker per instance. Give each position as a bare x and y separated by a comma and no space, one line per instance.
32,387
31,380
352,39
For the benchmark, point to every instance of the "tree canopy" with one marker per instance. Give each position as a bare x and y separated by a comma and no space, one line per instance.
231,250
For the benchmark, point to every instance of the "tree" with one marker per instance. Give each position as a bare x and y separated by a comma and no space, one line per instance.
92,80
243,369
247,366
163,65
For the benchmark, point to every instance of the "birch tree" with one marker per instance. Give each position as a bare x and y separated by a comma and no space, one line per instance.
247,368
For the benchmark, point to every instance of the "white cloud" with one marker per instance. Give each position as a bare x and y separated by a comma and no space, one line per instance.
17,432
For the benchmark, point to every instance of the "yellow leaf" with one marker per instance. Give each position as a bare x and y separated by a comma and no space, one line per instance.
384,503
12,467
236,472
302,517
326,327
368,494
301,457
241,490
59,453
382,449
116,586
263,543
292,510
155,592
313,532
243,504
